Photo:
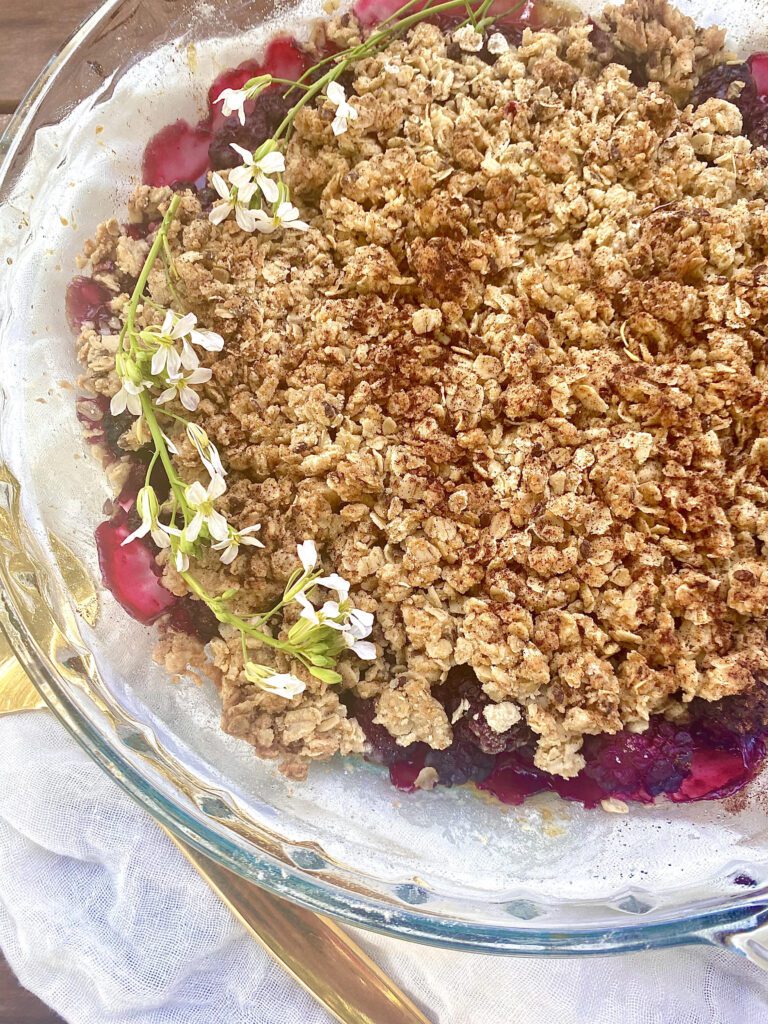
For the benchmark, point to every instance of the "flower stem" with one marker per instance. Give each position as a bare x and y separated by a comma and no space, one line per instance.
141,284
161,450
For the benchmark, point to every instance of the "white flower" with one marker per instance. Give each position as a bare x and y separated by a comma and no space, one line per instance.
181,561
326,616
353,623
230,546
257,170
127,398
206,449
166,359
357,627
362,648
468,39
169,444
279,684
147,507
237,199
337,583
183,328
234,100
181,386
307,553
200,499
283,684
284,215
344,111
497,44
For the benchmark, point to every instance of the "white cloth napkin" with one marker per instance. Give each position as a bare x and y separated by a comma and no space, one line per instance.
104,920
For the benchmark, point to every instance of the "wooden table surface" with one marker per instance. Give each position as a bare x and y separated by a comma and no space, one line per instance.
30,32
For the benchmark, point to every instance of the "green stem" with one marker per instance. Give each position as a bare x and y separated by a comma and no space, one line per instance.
161,450
228,618
150,467
289,81
172,415
141,284
310,94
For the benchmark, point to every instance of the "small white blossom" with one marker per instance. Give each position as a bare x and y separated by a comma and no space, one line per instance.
326,616
230,545
357,627
497,44
200,499
279,684
284,215
258,171
468,39
237,199
127,398
206,449
166,358
335,582
353,623
307,553
169,444
345,112
181,386
148,509
234,100
181,561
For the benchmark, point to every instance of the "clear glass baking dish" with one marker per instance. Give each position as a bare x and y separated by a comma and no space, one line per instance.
445,867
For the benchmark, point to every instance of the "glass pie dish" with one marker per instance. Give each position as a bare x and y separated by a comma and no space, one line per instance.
445,867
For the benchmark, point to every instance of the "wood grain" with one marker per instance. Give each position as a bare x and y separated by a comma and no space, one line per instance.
18,1006
30,33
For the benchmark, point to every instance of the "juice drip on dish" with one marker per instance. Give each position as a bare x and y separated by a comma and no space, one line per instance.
130,573
132,576
179,152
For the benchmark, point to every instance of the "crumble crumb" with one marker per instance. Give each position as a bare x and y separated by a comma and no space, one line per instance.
426,779
503,716
614,806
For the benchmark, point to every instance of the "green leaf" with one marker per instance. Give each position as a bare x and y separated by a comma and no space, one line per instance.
326,675
320,659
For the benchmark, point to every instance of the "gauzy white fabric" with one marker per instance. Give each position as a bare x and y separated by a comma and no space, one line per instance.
104,920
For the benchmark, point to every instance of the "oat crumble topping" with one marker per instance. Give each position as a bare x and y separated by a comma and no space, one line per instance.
511,382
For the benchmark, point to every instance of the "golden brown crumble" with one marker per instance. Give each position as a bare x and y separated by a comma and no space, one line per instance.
512,382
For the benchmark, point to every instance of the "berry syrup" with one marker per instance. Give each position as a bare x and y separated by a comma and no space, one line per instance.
131,573
185,153
87,301
752,100
713,756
